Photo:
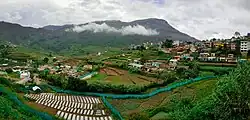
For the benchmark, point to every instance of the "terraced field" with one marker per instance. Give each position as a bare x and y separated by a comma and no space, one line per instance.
119,76
72,107
194,91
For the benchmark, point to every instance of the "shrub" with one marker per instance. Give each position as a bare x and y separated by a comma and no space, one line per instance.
5,81
138,116
9,70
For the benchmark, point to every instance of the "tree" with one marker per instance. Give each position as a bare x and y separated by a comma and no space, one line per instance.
5,50
54,60
237,34
9,70
138,116
168,43
50,54
77,84
228,101
248,35
248,54
46,60
214,39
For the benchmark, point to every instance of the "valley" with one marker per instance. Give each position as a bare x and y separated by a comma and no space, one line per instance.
73,72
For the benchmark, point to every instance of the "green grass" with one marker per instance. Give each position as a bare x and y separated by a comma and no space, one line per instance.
97,78
195,92
213,67
102,78
11,111
14,75
160,116
206,73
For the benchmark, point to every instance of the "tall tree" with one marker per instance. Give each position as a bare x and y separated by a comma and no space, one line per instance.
168,43
46,60
248,54
5,50
237,34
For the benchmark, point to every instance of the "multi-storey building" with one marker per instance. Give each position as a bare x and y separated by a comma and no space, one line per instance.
244,46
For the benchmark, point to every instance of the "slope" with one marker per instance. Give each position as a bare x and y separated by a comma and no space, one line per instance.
56,39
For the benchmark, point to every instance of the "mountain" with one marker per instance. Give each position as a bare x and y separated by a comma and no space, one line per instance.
56,27
99,33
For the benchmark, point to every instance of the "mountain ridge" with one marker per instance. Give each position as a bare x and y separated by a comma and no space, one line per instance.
56,38
143,22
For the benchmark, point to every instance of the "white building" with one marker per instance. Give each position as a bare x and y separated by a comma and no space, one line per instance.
25,76
176,42
244,46
135,65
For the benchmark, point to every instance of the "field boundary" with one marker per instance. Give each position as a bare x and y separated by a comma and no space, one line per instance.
14,98
131,96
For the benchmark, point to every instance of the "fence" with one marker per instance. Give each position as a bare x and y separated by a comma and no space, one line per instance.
131,96
112,109
27,109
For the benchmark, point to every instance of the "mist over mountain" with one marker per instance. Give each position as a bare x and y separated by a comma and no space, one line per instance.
98,33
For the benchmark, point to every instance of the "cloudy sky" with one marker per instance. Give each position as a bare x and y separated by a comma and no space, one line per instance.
199,18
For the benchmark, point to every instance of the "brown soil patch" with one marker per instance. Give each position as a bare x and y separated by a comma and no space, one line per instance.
42,108
36,106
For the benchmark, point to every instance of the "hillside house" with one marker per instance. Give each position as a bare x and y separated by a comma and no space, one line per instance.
88,67
193,49
203,56
25,76
232,46
211,59
218,44
244,46
177,58
213,55
137,66
230,55
208,44
176,43
173,64
156,64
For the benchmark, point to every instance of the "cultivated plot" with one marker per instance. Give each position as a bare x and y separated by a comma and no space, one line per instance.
73,107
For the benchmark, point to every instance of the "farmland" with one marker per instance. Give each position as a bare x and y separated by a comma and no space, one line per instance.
194,92
71,107
118,77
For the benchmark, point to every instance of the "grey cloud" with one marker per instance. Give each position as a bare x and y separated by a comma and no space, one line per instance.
194,17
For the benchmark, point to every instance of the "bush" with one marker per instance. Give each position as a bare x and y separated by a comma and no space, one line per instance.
229,101
9,70
5,81
138,116
134,70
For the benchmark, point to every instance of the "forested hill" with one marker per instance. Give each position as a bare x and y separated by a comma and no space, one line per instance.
99,33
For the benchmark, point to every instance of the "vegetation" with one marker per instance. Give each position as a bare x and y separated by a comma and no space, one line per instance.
163,102
8,108
192,72
168,43
5,50
76,84
11,111
229,101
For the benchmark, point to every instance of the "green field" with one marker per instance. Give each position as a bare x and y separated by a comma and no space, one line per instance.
195,92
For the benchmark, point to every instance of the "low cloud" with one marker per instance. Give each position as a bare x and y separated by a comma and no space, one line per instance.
126,30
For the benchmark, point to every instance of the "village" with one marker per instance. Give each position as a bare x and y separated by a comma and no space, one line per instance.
134,69
176,54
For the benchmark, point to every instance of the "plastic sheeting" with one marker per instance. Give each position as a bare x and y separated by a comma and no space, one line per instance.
131,96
